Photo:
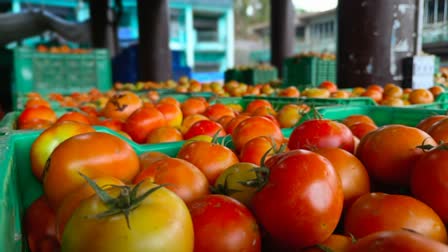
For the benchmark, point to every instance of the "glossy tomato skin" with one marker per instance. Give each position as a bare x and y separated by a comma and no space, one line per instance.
205,127
212,159
301,204
142,122
428,180
180,176
390,152
375,212
254,150
218,110
397,241
164,134
42,113
94,154
426,123
222,224
254,127
121,105
150,157
439,130
74,116
161,222
318,133
49,139
39,222
337,243
193,106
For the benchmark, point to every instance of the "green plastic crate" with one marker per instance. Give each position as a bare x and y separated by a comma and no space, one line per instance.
318,101
252,76
62,73
304,72
381,115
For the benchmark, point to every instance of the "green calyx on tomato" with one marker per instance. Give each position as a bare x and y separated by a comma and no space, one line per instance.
124,203
427,147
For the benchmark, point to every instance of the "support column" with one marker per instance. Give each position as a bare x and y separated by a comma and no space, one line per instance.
282,32
104,33
373,38
154,54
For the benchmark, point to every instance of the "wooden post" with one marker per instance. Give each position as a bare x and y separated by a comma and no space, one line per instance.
154,54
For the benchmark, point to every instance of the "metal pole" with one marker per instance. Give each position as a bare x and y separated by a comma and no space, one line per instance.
419,29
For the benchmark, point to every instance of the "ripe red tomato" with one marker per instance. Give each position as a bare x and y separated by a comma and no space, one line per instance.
204,127
164,135
439,130
181,177
39,222
112,124
336,243
375,212
353,174
361,129
428,180
33,113
234,122
94,154
397,241
143,121
222,224
212,159
172,113
390,152
193,106
426,123
301,203
254,150
218,110
254,127
121,105
150,157
74,116
353,119
49,139
256,104
318,133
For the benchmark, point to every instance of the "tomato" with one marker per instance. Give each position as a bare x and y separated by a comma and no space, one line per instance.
193,106
212,159
205,127
374,94
421,96
169,100
375,212
181,177
42,113
308,198
318,133
256,104
316,93
225,120
426,123
229,182
222,224
397,241
150,157
439,130
289,92
361,129
142,122
375,87
35,124
37,102
48,244
234,123
49,139
39,222
393,92
190,120
353,119
254,150
331,86
390,152
160,222
164,135
289,115
72,201
428,180
172,113
254,127
436,90
94,154
74,116
121,105
336,243
218,110
112,124
353,174
340,94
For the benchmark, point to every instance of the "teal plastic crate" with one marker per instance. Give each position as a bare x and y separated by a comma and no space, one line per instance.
381,115
252,76
305,72
62,73
318,101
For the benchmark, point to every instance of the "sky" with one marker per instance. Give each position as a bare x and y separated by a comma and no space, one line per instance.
315,5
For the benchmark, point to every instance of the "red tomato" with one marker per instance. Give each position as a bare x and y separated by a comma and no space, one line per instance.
143,121
121,105
39,222
256,104
205,127
172,113
218,110
426,123
439,130
35,124
397,241
164,135
212,159
112,124
222,224
353,119
254,150
331,86
428,180
390,152
336,243
94,154
353,174
193,106
181,177
361,129
42,113
74,116
302,201
150,157
375,212
320,133
254,127
234,122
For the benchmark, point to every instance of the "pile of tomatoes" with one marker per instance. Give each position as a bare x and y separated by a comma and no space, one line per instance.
331,186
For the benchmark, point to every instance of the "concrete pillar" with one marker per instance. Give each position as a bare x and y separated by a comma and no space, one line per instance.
154,54
104,33
374,36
